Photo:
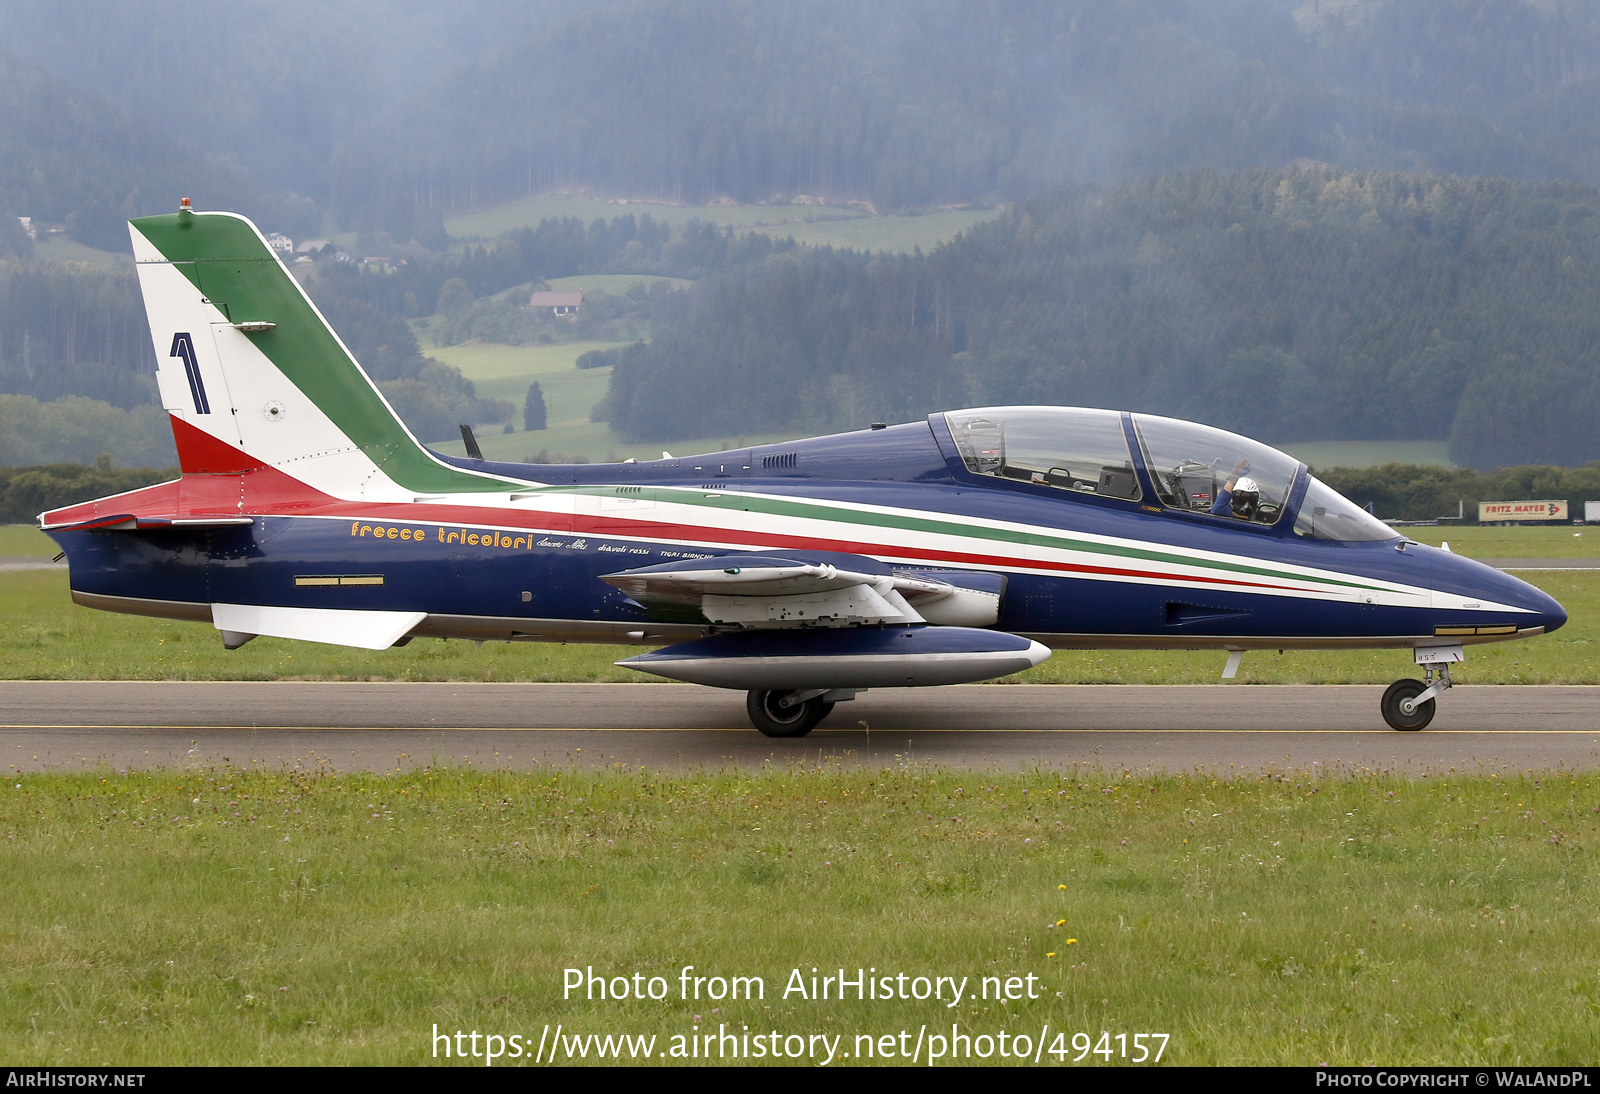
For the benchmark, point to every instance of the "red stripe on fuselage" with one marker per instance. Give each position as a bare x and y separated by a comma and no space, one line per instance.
266,491
634,528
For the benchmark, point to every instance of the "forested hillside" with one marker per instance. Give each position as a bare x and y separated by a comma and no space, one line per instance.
69,331
272,86
1385,290
556,248
388,113
73,332
1298,306
911,103
70,156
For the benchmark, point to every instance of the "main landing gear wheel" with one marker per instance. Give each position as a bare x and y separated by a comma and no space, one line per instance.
1400,708
773,719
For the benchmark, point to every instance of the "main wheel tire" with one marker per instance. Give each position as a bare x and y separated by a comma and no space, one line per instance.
775,720
1399,691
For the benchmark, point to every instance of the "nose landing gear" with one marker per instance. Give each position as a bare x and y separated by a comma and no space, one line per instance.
1408,704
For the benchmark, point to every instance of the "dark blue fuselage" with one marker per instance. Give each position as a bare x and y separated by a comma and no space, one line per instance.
546,581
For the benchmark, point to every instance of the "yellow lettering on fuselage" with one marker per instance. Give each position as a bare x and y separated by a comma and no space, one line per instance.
459,536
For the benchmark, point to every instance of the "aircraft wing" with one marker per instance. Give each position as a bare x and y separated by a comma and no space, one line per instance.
828,590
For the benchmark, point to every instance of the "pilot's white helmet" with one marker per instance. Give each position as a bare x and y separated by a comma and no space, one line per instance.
1246,501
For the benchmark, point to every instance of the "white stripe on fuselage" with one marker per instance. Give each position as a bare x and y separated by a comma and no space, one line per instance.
753,531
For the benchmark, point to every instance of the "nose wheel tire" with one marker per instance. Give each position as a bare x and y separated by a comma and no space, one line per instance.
1400,709
773,719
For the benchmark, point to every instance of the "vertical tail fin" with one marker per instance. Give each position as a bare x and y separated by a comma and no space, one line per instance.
252,374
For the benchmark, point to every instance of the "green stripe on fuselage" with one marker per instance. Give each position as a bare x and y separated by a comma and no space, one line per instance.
225,259
811,511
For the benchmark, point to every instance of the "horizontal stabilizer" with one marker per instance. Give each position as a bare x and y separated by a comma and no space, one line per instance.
127,522
365,630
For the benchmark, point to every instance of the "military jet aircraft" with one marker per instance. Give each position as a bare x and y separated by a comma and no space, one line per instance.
960,548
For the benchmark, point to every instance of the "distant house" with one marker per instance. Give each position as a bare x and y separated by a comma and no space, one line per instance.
559,303
281,244
27,226
315,250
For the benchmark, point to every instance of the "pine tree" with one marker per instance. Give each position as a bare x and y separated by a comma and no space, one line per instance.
534,413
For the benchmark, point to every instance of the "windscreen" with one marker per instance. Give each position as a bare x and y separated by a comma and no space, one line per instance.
1328,514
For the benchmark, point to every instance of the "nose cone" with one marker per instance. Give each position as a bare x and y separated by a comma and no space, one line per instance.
1484,594
1554,615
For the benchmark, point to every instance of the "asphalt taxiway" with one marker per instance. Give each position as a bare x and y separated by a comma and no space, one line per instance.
384,726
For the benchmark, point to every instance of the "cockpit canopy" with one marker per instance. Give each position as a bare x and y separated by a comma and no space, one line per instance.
1194,468
1069,448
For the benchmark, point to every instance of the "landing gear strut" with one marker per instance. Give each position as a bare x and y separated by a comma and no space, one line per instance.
1408,704
787,713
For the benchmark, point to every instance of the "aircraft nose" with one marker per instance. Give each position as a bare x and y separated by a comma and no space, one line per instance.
1551,615
1554,615
1462,583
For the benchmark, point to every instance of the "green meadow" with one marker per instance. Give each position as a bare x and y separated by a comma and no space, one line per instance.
504,372
25,541
44,636
59,247
615,284
817,225
1492,541
217,916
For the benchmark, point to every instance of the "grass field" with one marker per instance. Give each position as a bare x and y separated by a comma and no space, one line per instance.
834,226
615,284
1489,541
43,636
489,223
504,372
1324,454
25,541
60,248
879,234
223,917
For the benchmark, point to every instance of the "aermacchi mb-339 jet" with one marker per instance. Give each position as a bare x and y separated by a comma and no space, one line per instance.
960,548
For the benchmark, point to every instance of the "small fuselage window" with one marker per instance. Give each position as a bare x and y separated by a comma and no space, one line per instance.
1202,469
1066,448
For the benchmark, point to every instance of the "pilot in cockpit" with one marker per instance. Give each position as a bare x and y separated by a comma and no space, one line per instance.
1240,496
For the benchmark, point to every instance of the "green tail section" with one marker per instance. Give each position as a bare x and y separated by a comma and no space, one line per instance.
224,256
